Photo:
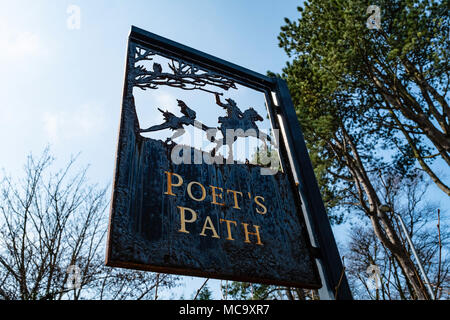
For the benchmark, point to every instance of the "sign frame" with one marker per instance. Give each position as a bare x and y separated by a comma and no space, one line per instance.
292,148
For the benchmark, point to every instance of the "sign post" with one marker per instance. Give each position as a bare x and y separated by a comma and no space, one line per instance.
201,211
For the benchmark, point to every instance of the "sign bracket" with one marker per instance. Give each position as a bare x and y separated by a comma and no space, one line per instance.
331,269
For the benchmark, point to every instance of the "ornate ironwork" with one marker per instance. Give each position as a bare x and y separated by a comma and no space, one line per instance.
205,219
188,76
183,75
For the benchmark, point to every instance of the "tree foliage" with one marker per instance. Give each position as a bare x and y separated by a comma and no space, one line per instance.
256,291
393,80
205,294
371,103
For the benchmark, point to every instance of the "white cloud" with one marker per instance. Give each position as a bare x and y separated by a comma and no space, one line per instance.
147,103
52,123
84,121
167,101
19,44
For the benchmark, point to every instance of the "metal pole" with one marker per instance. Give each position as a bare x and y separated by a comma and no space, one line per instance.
331,269
327,291
422,270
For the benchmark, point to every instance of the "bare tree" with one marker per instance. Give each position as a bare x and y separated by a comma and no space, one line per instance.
52,236
405,195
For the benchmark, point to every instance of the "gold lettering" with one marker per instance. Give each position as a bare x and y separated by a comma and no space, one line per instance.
189,191
215,195
183,220
235,193
264,211
170,184
229,222
210,227
247,233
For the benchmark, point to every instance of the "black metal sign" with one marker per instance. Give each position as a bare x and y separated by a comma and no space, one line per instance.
196,210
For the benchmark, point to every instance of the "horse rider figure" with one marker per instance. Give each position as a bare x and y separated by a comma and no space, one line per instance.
233,112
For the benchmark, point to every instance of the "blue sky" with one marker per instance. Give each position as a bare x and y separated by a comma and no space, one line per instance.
64,87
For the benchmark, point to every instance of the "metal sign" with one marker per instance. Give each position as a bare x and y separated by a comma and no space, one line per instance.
212,211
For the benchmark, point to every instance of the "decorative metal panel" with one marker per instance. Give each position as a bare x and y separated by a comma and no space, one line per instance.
204,209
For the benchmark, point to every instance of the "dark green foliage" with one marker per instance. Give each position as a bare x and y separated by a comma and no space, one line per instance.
341,74
372,103
205,294
248,291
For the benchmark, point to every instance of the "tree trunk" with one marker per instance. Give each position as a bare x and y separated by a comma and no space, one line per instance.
391,241
370,203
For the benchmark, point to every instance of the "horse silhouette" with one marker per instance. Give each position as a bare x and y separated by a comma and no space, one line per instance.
237,124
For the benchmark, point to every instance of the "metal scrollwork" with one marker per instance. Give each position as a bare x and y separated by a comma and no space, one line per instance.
187,76
180,74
